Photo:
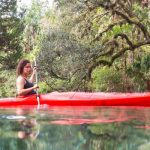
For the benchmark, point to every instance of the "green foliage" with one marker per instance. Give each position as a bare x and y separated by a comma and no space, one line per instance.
7,82
141,67
126,28
140,71
60,58
141,12
33,14
43,87
67,44
101,129
52,84
10,37
107,79
32,22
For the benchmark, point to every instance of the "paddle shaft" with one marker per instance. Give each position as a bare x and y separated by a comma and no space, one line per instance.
37,92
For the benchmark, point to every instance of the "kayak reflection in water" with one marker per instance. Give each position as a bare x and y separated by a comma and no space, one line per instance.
24,86
29,128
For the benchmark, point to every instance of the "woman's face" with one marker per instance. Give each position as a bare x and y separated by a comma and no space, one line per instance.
27,69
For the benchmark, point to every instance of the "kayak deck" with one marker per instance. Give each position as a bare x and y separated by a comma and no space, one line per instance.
80,99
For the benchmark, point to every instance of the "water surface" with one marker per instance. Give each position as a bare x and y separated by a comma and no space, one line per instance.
75,128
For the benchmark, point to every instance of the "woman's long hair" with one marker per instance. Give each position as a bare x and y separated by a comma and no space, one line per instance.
22,63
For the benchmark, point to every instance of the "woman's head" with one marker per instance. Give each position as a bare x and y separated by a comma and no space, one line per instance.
24,66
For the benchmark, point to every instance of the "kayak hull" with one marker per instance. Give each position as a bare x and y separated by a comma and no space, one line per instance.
80,99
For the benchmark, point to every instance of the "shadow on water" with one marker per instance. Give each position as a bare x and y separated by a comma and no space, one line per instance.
75,128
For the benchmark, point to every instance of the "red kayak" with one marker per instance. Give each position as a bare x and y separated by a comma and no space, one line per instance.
80,99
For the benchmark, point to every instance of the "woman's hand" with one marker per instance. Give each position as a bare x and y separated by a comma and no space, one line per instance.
35,86
34,70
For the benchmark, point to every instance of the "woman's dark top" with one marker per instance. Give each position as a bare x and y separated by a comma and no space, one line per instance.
29,85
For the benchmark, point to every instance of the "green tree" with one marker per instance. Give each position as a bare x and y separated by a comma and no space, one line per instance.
107,32
10,31
140,72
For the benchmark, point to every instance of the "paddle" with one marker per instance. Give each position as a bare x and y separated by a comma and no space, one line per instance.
37,92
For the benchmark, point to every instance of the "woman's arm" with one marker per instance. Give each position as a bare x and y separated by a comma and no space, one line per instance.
20,87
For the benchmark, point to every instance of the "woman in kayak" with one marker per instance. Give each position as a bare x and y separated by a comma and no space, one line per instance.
25,86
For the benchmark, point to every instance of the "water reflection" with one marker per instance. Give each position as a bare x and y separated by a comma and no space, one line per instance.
75,128
29,126
90,115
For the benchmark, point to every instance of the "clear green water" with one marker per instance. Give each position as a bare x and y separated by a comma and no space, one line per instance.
75,128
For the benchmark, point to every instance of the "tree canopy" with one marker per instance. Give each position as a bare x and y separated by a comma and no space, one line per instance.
10,31
111,33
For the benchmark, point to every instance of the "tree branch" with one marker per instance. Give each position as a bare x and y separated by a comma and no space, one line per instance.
126,38
107,29
114,57
135,22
